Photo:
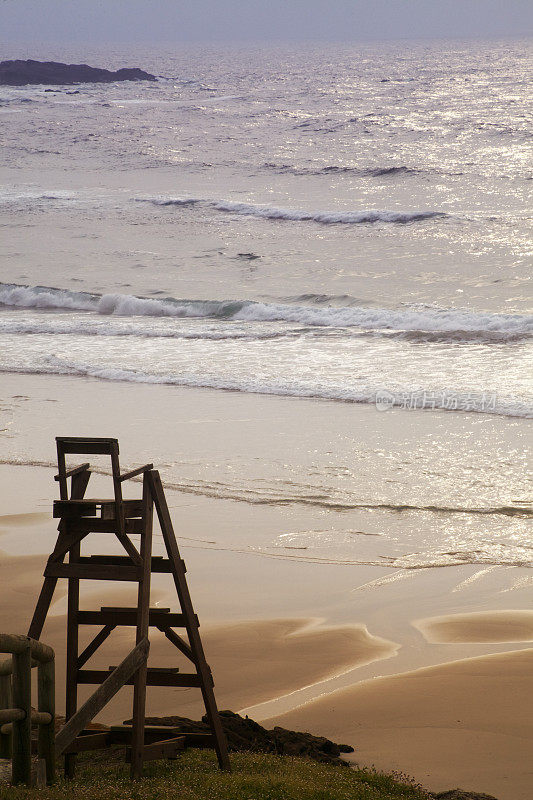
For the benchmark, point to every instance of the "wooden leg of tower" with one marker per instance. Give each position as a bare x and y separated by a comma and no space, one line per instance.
182,589
41,609
71,700
79,485
143,613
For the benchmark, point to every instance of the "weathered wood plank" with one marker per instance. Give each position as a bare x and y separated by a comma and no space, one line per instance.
180,582
93,646
178,642
92,741
201,740
8,715
153,678
168,748
85,445
78,489
73,471
99,525
129,618
121,734
73,509
134,472
46,693
21,759
71,689
111,685
5,703
143,622
95,572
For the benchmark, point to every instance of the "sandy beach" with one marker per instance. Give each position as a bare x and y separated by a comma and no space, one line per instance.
468,719
292,273
421,670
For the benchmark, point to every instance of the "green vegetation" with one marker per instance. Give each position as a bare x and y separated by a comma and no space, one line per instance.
194,776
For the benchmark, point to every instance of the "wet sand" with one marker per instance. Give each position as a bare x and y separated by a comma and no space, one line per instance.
282,624
252,661
466,724
496,626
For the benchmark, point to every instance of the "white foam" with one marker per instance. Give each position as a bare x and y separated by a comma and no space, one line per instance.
374,319
93,327
297,215
368,395
389,319
45,297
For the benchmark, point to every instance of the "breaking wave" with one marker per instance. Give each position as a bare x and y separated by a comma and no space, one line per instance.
406,322
339,169
296,215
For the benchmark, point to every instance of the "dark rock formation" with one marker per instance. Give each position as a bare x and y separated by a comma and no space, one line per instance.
245,734
458,794
22,73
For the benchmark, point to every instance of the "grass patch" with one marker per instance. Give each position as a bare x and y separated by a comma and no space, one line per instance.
195,776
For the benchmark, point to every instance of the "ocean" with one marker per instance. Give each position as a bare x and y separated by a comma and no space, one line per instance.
340,225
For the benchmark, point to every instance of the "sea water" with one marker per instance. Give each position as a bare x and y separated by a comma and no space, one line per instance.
346,224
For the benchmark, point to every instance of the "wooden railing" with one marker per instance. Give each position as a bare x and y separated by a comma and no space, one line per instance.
16,715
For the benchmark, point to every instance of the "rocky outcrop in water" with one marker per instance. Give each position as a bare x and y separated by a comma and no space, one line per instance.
22,73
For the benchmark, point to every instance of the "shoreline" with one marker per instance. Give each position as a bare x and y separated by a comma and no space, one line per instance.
473,714
294,610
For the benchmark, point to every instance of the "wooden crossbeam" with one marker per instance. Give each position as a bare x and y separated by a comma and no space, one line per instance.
86,445
95,572
88,507
93,741
127,617
96,702
134,472
153,678
178,642
72,471
65,543
168,748
93,646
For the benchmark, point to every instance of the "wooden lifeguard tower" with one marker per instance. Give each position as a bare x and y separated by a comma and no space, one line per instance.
79,517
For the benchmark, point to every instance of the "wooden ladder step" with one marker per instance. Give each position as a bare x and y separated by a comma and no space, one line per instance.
99,525
121,734
159,564
168,748
201,740
94,740
128,617
88,507
93,571
153,678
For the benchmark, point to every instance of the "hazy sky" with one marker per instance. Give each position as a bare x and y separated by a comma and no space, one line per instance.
238,20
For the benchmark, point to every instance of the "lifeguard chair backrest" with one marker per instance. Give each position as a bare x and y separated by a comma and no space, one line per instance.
85,445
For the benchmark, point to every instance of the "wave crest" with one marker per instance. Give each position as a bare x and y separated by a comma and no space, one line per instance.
411,323
297,215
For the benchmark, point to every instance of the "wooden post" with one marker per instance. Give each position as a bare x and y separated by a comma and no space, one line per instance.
180,582
5,702
21,765
46,700
71,698
78,488
143,616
